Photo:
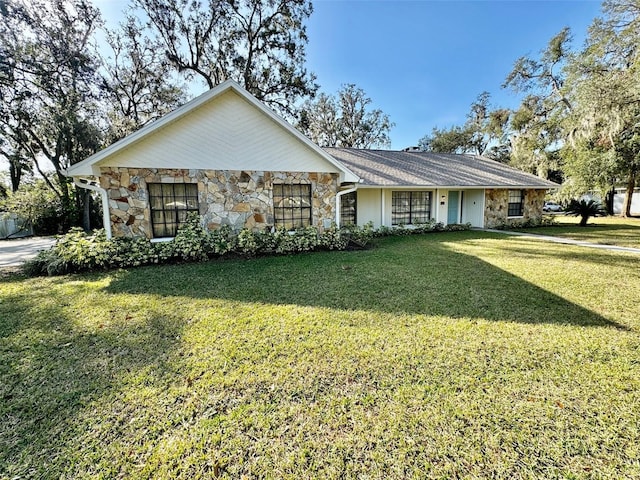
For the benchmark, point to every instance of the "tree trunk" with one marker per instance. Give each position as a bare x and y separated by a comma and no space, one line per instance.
15,172
609,199
628,197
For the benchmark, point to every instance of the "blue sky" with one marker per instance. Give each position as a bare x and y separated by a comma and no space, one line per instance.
424,62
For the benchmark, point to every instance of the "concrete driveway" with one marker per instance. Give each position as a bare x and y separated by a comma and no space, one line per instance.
14,252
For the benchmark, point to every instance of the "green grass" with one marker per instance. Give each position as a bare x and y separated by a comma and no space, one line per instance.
623,232
460,355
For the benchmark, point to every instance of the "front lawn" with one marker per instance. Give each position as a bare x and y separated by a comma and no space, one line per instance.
623,232
457,355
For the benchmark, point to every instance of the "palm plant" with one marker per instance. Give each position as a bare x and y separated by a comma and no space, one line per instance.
585,209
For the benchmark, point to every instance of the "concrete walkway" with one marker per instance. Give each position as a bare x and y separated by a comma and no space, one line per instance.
566,241
14,252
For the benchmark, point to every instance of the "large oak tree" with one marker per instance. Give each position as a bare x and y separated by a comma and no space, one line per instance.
258,43
48,95
604,128
345,120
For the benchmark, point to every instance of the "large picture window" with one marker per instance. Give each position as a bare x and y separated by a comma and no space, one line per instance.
516,203
348,209
292,205
170,203
410,208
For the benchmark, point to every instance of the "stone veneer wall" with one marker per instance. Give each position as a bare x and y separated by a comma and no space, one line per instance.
240,199
497,206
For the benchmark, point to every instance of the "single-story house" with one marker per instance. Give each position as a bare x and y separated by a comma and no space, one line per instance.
234,161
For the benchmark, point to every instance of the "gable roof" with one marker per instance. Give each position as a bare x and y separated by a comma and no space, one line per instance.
90,166
388,168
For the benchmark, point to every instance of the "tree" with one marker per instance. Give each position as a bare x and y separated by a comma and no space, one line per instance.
258,43
482,134
345,120
454,140
137,80
536,132
37,205
48,85
605,80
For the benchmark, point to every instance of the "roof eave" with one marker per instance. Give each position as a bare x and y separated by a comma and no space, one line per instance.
461,187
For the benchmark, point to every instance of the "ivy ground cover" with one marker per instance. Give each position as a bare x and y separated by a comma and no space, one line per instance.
452,355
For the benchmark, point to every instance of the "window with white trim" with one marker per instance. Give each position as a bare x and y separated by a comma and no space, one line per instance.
516,203
410,208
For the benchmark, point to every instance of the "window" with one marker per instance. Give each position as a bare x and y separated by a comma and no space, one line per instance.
410,208
292,205
348,209
170,203
516,202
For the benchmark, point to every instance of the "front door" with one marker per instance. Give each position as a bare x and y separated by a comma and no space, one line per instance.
453,215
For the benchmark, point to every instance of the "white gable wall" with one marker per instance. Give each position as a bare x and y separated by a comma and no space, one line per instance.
226,133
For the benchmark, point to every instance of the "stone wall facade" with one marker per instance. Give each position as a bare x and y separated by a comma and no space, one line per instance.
239,199
497,207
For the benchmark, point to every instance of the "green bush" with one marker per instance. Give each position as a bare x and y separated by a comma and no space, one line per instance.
247,243
332,239
544,221
78,251
191,242
585,209
221,241
38,205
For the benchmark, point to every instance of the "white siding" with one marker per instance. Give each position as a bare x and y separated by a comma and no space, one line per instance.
369,209
226,133
441,206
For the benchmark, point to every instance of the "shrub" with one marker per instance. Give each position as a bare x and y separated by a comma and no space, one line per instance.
78,251
74,252
544,221
247,243
585,209
300,240
221,241
192,240
333,239
358,236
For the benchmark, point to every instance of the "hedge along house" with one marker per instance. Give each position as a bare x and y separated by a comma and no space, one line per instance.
224,155
228,157
412,187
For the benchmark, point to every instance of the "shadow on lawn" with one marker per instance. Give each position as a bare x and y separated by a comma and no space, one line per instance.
53,367
405,276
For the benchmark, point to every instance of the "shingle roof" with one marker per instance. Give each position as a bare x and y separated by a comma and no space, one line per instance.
393,168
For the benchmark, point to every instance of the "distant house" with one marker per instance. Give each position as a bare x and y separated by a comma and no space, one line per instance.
234,161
